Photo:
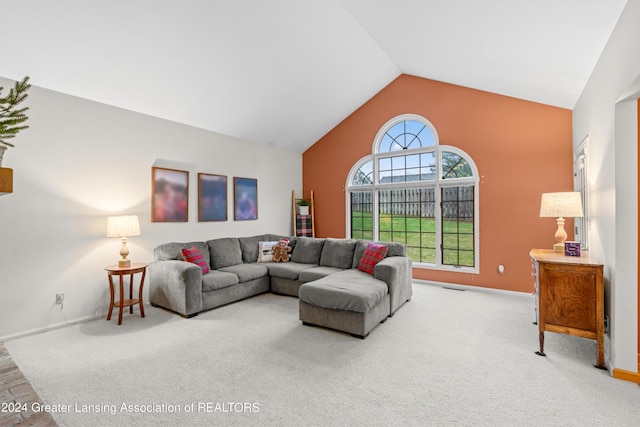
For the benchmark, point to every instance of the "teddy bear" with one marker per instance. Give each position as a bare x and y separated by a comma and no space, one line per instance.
281,251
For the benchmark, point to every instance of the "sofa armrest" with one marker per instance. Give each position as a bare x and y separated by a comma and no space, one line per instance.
176,285
395,271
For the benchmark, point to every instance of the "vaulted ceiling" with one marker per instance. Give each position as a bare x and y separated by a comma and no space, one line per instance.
285,72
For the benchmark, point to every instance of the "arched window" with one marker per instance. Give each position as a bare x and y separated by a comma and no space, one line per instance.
413,190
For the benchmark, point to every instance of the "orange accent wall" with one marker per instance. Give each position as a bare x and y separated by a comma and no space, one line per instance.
522,149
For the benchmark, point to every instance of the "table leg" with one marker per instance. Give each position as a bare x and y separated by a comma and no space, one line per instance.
121,299
131,292
601,364
144,272
111,291
541,338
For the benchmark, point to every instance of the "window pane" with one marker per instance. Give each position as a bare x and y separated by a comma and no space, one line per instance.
398,222
385,236
385,144
384,170
454,166
413,161
413,174
406,135
384,210
408,216
428,256
398,175
414,131
398,162
364,175
457,226
384,164
428,166
413,239
361,214
413,253
399,237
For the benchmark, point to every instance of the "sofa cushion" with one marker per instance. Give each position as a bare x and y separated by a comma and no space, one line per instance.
315,273
393,249
194,255
225,252
216,279
350,290
247,272
307,250
249,247
372,255
338,253
288,270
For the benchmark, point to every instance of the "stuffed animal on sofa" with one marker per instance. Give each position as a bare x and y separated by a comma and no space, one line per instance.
281,251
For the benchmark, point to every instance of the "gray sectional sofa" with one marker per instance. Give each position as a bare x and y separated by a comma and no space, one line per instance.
322,273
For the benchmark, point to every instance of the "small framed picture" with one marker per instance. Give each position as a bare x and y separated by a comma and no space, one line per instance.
212,197
571,248
169,195
245,199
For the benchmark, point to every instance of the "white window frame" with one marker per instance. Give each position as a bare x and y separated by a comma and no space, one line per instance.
581,185
437,184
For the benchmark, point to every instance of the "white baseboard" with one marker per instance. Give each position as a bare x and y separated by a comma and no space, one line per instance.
55,326
50,327
471,288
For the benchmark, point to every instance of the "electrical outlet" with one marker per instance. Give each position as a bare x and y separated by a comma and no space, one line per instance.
59,298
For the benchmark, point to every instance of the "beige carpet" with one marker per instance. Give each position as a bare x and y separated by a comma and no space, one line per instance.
446,358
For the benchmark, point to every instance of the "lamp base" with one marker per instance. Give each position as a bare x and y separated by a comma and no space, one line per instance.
124,263
558,247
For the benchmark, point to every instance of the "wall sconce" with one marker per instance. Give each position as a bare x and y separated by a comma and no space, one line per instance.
561,205
123,226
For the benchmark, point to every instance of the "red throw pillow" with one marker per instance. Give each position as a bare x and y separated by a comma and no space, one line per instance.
193,255
372,255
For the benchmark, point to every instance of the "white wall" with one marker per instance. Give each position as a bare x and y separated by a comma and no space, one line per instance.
612,130
81,161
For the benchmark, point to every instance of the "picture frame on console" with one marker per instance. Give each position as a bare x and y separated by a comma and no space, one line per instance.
212,197
245,199
169,195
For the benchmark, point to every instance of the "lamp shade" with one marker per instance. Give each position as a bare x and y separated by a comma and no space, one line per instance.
563,204
123,226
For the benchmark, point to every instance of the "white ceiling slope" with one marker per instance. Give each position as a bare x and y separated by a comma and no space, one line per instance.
285,72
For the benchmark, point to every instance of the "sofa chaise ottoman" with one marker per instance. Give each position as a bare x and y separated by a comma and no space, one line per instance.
353,301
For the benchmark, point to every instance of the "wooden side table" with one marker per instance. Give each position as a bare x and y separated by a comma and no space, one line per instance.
122,303
570,297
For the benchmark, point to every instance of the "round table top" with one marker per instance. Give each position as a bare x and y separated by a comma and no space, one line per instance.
134,266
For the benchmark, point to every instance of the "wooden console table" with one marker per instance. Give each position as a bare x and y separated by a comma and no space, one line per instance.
569,297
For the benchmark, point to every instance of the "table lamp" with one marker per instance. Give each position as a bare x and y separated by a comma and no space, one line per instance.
123,226
561,205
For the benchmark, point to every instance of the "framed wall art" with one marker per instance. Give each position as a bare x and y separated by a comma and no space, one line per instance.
245,199
169,195
212,197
